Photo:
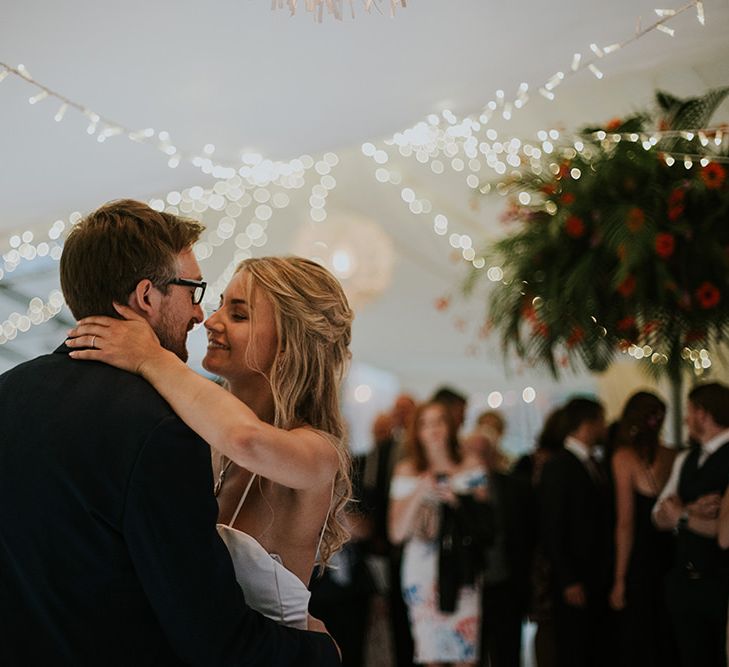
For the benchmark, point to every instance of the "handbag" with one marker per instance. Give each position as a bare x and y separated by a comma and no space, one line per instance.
466,532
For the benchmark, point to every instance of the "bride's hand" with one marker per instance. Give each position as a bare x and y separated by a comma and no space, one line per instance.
127,344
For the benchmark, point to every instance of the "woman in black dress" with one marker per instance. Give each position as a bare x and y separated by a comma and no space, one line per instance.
643,555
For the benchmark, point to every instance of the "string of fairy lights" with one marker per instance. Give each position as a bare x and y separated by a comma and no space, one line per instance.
229,198
254,182
468,144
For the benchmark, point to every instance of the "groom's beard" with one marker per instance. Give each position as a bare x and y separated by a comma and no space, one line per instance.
172,336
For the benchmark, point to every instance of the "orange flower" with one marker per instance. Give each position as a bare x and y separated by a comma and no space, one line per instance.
626,323
676,205
713,175
442,303
613,124
577,335
567,199
627,287
528,312
708,295
574,227
665,245
635,220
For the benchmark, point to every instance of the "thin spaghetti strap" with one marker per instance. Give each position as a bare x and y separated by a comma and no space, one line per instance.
651,479
242,500
326,521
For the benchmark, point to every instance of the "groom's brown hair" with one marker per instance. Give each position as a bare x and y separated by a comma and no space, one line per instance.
112,249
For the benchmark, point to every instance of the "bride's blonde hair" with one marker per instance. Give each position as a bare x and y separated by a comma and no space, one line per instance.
314,329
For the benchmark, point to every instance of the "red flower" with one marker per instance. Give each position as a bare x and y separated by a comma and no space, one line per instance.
694,335
564,169
676,204
574,227
713,175
528,312
442,303
613,124
635,220
665,245
708,295
627,287
567,199
577,335
626,323
485,330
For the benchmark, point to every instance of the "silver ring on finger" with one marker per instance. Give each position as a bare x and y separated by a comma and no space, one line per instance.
93,341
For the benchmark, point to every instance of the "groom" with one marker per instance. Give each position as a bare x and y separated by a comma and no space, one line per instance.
108,549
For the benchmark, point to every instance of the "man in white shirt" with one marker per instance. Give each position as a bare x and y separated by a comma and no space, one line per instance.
698,586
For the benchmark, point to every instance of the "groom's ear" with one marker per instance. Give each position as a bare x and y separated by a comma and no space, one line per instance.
145,300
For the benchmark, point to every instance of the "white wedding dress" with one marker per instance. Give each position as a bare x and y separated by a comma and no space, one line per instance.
268,586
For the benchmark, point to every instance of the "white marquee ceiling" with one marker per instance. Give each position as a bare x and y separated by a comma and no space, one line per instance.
237,75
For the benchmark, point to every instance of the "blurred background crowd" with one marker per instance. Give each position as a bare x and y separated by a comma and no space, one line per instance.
601,546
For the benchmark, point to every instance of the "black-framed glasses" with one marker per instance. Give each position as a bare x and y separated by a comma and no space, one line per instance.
198,286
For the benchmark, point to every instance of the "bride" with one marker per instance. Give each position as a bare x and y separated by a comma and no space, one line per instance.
280,340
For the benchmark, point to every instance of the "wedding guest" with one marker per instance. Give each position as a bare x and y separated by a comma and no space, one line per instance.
493,426
403,412
342,594
575,528
641,466
389,434
455,402
493,423
529,468
424,483
698,585
507,502
280,339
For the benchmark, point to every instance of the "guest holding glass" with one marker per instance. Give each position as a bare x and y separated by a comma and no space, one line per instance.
430,480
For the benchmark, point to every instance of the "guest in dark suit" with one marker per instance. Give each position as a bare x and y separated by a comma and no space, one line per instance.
576,529
108,547
698,585
389,431
509,510
529,468
455,402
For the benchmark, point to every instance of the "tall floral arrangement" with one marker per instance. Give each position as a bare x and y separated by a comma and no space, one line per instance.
621,244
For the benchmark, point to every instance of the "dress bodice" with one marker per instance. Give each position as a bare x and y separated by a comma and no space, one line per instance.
269,587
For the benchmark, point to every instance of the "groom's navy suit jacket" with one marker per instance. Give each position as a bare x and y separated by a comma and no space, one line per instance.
108,548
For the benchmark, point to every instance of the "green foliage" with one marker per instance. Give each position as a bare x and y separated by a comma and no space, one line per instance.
621,246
